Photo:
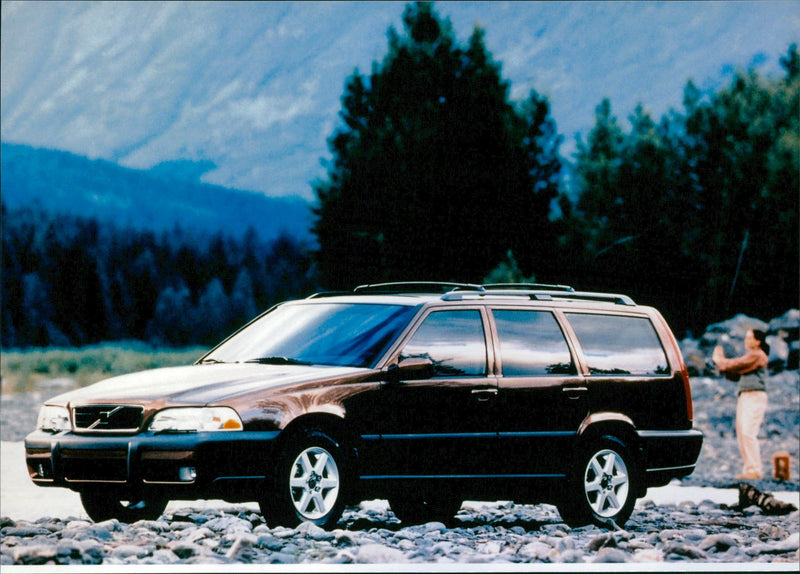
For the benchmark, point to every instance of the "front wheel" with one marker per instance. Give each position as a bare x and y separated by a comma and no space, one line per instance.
310,483
602,492
102,505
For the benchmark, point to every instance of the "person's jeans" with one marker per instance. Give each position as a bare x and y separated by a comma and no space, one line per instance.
750,409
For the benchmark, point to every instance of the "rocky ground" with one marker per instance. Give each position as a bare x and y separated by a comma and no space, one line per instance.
499,534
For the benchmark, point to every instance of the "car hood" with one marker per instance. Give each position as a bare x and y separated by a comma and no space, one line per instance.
198,384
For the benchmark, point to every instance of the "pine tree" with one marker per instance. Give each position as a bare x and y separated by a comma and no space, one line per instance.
435,173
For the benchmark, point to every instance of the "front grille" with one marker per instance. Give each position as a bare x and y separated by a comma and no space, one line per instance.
108,418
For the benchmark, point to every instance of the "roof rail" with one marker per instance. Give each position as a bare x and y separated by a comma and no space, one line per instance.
456,291
323,294
616,298
528,286
543,295
416,287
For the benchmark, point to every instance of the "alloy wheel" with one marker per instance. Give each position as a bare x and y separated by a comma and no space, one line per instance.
606,483
314,483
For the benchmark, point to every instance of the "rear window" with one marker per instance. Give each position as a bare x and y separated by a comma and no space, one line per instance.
619,345
532,344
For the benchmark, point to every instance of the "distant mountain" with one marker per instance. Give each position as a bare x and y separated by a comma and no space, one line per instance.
255,87
157,199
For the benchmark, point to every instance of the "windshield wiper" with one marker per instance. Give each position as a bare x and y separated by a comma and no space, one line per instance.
277,361
210,362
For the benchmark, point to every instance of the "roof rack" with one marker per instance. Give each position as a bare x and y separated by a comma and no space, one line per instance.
416,287
457,291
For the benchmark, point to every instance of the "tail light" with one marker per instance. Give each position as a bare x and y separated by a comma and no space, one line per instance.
687,387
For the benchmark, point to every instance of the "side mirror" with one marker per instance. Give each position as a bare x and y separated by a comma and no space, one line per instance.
411,368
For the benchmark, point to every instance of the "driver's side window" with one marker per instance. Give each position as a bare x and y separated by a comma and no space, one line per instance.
453,340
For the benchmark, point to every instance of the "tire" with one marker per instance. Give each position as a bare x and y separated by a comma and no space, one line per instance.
603,489
311,482
412,509
101,505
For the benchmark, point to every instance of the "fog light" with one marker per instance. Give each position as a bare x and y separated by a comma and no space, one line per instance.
187,473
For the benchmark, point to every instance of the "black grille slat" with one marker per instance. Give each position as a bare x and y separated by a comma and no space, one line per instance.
108,418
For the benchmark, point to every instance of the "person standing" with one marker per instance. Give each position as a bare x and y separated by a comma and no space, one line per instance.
751,404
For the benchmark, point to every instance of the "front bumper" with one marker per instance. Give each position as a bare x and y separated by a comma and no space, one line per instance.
192,465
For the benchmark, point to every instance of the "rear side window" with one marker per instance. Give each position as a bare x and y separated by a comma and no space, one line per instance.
453,340
619,345
532,344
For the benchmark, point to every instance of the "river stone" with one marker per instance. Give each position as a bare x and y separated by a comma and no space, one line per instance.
229,525
648,555
379,554
242,544
162,556
37,554
314,532
717,542
610,556
24,531
185,550
679,551
535,550
69,548
127,550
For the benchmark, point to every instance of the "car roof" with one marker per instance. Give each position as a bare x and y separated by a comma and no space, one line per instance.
415,293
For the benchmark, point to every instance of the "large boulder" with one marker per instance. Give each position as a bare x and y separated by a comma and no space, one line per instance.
735,329
789,322
784,340
782,337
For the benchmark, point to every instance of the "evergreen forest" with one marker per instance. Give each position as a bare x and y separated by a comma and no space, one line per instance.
71,281
436,174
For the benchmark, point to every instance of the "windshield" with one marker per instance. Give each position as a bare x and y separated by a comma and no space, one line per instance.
341,334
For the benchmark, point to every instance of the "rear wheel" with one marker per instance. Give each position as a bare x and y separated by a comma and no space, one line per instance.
103,505
602,492
311,482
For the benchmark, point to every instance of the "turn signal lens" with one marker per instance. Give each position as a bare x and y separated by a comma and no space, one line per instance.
232,424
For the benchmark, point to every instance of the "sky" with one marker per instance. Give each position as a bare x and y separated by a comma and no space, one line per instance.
253,88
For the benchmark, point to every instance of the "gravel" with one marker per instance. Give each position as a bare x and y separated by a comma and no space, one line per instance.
500,534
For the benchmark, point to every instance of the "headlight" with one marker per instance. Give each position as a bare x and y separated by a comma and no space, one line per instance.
53,419
197,419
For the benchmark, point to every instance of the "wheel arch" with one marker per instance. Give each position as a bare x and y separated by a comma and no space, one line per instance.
618,428
331,424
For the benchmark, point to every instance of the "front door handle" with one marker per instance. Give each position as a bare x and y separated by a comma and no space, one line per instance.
484,394
575,392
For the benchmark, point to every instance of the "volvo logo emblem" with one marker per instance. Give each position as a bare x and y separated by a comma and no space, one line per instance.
104,417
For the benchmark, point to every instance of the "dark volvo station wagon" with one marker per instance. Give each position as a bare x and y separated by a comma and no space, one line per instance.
423,394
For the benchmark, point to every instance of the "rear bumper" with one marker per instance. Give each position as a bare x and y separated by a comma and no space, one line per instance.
669,454
187,465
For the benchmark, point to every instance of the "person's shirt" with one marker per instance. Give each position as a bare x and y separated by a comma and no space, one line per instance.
752,367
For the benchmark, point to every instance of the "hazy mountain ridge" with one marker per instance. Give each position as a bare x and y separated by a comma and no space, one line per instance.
255,87
158,199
